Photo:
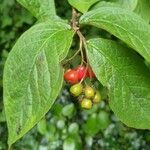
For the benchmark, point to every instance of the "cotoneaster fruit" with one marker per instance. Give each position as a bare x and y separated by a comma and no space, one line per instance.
97,97
71,76
76,89
89,92
82,72
86,103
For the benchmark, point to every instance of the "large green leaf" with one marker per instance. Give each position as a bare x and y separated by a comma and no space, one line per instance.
143,9
127,79
126,4
125,25
82,5
40,8
33,75
104,4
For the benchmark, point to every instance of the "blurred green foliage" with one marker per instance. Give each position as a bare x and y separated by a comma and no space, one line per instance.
66,126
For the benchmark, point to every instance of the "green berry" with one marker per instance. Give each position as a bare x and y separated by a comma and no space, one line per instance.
89,92
76,89
86,103
97,97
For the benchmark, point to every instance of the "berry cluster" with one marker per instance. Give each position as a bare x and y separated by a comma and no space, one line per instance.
74,76
87,95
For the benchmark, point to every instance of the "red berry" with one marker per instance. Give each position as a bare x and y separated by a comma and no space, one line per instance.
71,76
82,72
90,72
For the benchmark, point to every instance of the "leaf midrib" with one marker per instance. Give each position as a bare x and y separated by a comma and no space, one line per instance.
30,72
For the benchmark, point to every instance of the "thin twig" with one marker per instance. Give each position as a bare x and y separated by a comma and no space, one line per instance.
82,40
72,56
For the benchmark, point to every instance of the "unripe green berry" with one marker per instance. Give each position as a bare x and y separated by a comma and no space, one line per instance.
76,89
86,103
97,97
89,92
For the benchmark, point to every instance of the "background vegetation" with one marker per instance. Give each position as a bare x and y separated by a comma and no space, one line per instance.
66,125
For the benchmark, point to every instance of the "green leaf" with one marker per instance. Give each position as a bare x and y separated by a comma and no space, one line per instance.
91,127
69,110
33,76
73,128
72,142
60,124
56,109
125,25
2,116
143,9
104,4
127,78
89,140
147,64
39,8
82,5
126,4
42,127
69,144
103,119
